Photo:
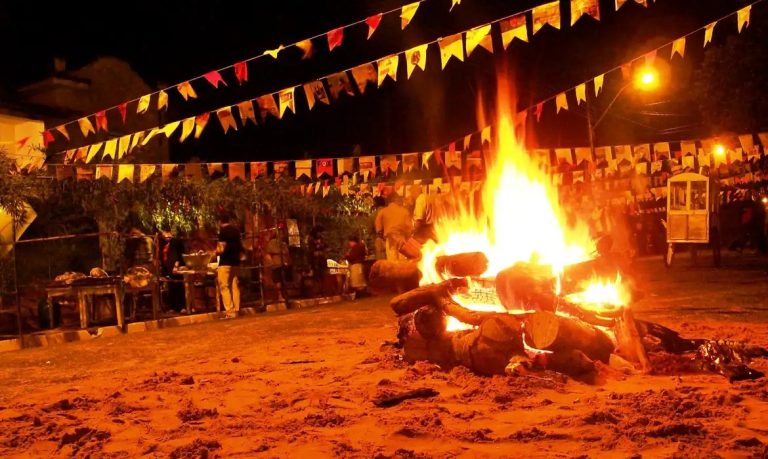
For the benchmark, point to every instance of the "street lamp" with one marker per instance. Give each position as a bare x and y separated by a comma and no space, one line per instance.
646,80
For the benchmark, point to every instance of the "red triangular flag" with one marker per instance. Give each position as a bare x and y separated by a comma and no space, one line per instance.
101,120
123,110
324,166
241,71
47,138
335,37
539,109
214,77
21,142
373,23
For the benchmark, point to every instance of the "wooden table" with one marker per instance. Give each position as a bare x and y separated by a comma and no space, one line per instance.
190,277
82,292
154,288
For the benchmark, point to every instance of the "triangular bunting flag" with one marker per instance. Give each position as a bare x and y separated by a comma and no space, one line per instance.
453,158
549,13
708,31
287,101
152,133
599,83
101,120
258,169
561,101
339,83
450,46
226,119
678,47
63,131
186,90
162,100
200,122
170,128
581,93
236,171
425,157
187,126
479,36
416,57
93,150
326,190
410,161
315,92
81,154
620,3
167,170
389,163
146,171
104,171
247,112
364,74
512,28
69,156
241,72
214,78
123,108
485,135
143,104
303,168
267,106
274,52
125,172
407,13
373,24
539,110
306,48
581,7
122,147
324,167
47,137
138,137
743,17
335,37
388,68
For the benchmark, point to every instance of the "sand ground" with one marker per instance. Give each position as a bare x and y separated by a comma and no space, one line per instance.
301,384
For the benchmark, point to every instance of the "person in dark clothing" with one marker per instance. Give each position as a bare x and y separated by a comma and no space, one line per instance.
356,257
171,250
317,255
229,249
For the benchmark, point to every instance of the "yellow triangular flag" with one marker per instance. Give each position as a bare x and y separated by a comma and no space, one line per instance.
186,90
110,148
143,104
416,57
743,17
678,47
125,172
187,126
274,52
406,14
138,137
485,135
388,68
549,13
561,101
581,93
599,84
86,127
151,135
425,159
146,171
512,28
287,101
479,36
450,46
708,31
93,150
162,100
201,121
170,128
581,7
123,144
226,119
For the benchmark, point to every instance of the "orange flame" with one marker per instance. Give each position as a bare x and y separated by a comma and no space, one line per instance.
601,295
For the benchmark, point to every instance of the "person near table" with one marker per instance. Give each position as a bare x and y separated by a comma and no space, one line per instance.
394,222
138,249
229,249
356,253
318,258
276,259
171,249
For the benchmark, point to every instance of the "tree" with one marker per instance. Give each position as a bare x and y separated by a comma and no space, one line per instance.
730,85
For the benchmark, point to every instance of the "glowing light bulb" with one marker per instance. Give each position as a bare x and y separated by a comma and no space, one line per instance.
719,150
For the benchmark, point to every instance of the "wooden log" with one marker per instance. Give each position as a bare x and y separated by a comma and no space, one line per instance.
430,322
462,264
465,315
526,286
604,319
573,363
394,400
417,347
629,345
393,276
487,349
427,295
547,331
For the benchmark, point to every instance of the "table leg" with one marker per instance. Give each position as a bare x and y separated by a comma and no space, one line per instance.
119,308
217,294
82,304
50,312
188,293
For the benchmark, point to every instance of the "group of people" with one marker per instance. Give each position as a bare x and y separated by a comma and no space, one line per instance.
401,219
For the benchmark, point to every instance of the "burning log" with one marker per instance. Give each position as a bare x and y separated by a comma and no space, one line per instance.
550,332
393,276
630,347
425,296
526,285
462,264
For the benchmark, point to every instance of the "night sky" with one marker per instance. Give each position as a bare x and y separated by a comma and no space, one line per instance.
168,42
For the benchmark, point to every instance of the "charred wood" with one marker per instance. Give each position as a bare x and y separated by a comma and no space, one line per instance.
428,295
393,276
547,331
462,264
526,285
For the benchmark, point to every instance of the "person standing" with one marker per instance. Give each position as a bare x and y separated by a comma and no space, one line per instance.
356,257
395,223
276,260
229,249
379,246
171,250
317,254
422,215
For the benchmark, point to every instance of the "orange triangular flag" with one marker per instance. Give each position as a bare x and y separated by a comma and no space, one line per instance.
101,120
200,122
247,112
678,47
364,74
335,38
561,101
581,7
549,13
407,13
146,171
186,90
162,100
226,119
743,17
144,104
187,126
287,101
479,36
63,131
306,47
86,127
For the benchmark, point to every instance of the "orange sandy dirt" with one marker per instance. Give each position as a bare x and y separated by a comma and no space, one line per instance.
301,384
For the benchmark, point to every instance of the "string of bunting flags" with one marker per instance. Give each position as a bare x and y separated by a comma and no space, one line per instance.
328,88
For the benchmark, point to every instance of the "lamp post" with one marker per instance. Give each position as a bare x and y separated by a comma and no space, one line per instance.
646,79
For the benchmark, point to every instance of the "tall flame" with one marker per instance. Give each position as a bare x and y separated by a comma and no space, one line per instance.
521,218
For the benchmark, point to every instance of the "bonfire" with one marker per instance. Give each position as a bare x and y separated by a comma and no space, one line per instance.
516,286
